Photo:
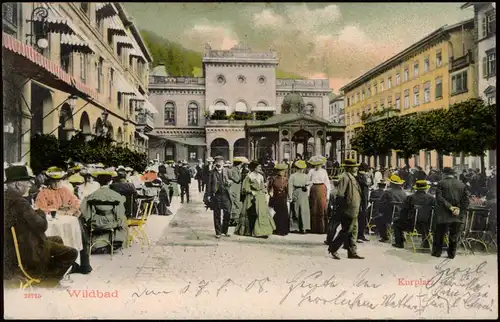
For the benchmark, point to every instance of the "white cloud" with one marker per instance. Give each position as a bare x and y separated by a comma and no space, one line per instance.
266,18
217,36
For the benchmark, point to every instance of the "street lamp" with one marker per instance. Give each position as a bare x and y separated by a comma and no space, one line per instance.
72,101
41,14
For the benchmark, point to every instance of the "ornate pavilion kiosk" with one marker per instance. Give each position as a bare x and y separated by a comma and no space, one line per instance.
293,131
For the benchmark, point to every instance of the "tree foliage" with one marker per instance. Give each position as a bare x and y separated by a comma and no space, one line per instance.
48,151
468,127
180,61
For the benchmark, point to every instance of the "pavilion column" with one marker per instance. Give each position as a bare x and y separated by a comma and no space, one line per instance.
231,153
333,149
25,140
342,149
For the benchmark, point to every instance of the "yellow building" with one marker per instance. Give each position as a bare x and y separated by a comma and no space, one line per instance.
433,73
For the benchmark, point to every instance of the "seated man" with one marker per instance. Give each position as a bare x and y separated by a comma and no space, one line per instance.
42,257
389,206
420,203
127,190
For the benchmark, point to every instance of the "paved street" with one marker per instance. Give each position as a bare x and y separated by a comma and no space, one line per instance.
187,273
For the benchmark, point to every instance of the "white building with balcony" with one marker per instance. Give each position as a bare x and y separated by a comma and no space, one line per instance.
206,116
485,32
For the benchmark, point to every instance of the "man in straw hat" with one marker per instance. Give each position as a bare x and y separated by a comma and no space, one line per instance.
299,199
319,194
452,202
420,204
218,197
42,257
349,202
389,206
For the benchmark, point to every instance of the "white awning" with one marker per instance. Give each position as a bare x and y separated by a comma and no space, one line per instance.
124,41
116,26
55,21
77,43
125,88
105,10
146,103
263,109
241,107
214,108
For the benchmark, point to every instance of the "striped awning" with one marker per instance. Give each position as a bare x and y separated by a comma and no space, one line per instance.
135,53
27,61
77,43
115,26
105,10
125,88
124,41
56,22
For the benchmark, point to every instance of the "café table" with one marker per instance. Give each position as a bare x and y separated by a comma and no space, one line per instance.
66,227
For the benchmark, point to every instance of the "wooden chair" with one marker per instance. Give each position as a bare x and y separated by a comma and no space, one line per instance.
110,231
477,228
369,221
29,280
136,224
414,233
395,206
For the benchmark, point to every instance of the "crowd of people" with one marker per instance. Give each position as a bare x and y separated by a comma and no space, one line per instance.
259,198
103,199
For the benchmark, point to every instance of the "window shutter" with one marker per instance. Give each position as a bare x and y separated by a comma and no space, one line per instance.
485,67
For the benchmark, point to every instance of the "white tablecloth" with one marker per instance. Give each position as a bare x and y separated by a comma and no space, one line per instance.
68,228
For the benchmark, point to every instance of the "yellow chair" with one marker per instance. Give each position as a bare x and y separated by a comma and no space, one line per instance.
111,231
369,221
136,224
409,236
30,280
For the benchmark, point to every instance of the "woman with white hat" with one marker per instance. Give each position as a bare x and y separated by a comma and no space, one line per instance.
319,193
56,197
299,199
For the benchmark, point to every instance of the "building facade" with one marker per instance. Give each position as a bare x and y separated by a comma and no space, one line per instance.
436,72
206,116
73,67
485,32
337,115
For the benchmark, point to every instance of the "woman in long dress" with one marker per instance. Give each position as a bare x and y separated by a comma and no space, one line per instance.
255,219
278,191
318,195
298,196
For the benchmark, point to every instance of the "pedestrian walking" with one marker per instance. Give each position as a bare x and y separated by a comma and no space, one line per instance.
278,190
218,197
199,175
319,194
184,179
349,202
299,199
364,184
452,203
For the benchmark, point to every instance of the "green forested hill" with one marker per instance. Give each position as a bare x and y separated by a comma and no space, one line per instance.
180,61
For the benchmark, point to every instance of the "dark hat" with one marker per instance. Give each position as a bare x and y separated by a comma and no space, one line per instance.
350,163
448,170
382,183
253,165
18,173
421,185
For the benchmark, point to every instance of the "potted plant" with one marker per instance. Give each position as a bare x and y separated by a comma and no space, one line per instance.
207,115
230,117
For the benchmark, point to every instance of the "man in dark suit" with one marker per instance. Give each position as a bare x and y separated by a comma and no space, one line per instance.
218,197
127,190
199,176
452,203
420,204
349,203
184,180
362,179
389,205
42,257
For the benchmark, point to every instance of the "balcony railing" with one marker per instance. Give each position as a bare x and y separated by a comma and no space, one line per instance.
461,62
145,119
381,115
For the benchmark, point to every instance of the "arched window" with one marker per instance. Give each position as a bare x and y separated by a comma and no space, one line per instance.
309,109
193,114
169,114
261,104
220,103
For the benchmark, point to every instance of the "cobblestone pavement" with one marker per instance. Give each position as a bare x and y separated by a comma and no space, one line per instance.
187,273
